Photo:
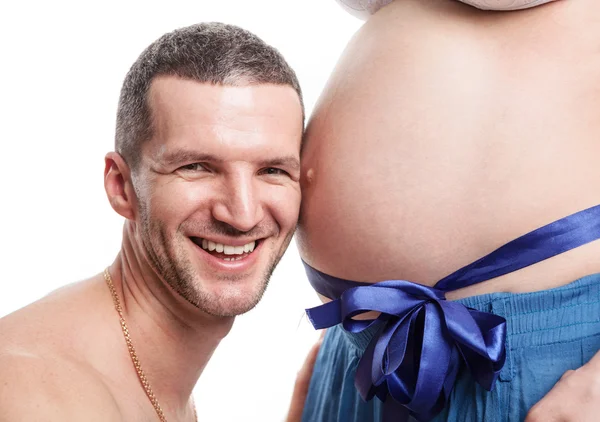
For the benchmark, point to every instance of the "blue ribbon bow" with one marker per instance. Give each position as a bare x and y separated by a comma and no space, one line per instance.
416,355
423,338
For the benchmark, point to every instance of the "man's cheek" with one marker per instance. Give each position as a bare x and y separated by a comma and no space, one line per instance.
178,199
287,212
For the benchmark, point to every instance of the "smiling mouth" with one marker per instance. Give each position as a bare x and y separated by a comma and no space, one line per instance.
226,252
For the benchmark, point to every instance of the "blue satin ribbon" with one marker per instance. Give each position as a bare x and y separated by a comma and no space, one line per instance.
423,338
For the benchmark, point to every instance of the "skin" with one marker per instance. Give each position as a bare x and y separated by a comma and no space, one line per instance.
303,382
238,181
445,132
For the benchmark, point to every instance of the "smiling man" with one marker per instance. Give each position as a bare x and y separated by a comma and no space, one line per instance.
206,174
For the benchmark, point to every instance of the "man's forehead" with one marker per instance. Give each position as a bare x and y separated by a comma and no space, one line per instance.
178,153
169,91
185,105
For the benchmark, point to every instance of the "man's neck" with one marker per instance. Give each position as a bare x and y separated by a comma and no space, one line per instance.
173,339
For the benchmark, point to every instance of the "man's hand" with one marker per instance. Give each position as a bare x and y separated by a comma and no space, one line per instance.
303,382
575,397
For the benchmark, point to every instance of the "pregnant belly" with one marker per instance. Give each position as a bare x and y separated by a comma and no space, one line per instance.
422,157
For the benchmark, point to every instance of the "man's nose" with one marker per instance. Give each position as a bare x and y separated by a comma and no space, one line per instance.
239,204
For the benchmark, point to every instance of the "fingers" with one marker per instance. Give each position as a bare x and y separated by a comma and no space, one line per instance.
567,374
305,373
572,399
303,382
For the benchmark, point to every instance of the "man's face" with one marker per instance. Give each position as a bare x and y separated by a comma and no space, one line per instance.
218,188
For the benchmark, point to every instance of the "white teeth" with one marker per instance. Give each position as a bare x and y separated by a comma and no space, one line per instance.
237,258
227,249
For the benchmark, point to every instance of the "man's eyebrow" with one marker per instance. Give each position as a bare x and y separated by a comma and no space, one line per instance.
185,156
290,162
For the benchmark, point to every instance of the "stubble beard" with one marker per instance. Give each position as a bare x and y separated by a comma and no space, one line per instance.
170,260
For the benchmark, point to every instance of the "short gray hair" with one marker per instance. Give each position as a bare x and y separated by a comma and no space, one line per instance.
213,53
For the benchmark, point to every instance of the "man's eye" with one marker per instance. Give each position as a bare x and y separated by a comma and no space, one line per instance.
274,171
193,167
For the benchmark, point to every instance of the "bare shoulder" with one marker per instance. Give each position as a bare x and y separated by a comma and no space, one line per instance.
45,368
49,388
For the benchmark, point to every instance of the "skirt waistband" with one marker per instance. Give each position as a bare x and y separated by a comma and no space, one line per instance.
549,316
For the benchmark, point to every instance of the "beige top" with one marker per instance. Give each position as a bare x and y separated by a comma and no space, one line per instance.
364,8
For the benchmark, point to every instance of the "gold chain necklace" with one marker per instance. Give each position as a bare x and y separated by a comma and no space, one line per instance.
133,354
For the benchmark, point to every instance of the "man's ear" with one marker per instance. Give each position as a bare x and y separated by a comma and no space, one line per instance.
118,185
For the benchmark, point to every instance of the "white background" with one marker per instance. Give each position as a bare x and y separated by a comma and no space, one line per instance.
61,68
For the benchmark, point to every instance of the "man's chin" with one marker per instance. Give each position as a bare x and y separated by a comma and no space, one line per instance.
230,312
225,294
228,307
230,299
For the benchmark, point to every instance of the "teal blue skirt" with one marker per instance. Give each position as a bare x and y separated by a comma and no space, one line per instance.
549,332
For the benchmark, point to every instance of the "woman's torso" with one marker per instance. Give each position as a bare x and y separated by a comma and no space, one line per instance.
445,132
